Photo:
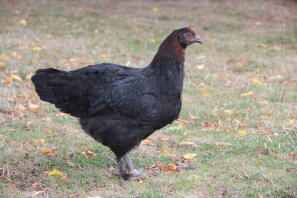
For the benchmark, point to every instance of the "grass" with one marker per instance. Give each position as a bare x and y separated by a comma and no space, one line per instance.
244,40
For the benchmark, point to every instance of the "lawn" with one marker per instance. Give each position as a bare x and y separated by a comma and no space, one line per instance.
237,132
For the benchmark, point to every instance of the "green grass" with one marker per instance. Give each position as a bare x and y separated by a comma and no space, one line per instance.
243,40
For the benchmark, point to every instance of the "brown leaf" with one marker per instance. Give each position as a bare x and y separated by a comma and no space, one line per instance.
47,151
37,185
47,131
292,154
262,151
91,154
147,142
210,124
170,168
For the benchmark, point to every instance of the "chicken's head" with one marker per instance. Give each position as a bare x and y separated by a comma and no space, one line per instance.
188,36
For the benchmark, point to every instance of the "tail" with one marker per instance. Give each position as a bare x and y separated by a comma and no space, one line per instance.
63,89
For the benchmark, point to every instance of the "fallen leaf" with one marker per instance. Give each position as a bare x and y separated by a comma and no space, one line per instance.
155,10
23,22
37,185
243,62
167,168
223,144
91,153
4,56
12,78
205,93
147,142
292,154
152,40
103,56
262,151
33,107
187,143
16,56
230,60
47,151
39,194
36,141
255,81
96,32
2,64
262,45
36,48
241,133
164,139
166,153
200,66
55,172
228,112
250,93
210,124
47,131
189,156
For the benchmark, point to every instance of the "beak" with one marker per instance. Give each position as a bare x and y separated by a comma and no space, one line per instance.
198,40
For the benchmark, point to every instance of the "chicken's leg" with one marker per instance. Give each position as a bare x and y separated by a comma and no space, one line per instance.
122,168
134,172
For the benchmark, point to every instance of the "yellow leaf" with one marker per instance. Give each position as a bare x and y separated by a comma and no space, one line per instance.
152,40
247,94
2,64
16,56
4,56
55,172
223,144
228,112
103,56
36,48
262,45
96,32
205,93
189,156
255,81
155,10
168,154
36,141
187,143
200,67
241,133
147,141
62,60
12,78
33,107
23,22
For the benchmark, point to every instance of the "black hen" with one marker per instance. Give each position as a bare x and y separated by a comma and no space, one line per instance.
120,106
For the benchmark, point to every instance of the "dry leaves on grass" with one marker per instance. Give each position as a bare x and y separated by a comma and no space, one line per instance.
189,156
167,153
167,168
55,172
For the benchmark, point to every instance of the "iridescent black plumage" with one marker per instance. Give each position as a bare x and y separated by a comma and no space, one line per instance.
117,105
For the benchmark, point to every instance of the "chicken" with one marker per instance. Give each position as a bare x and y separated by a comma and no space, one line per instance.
120,106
